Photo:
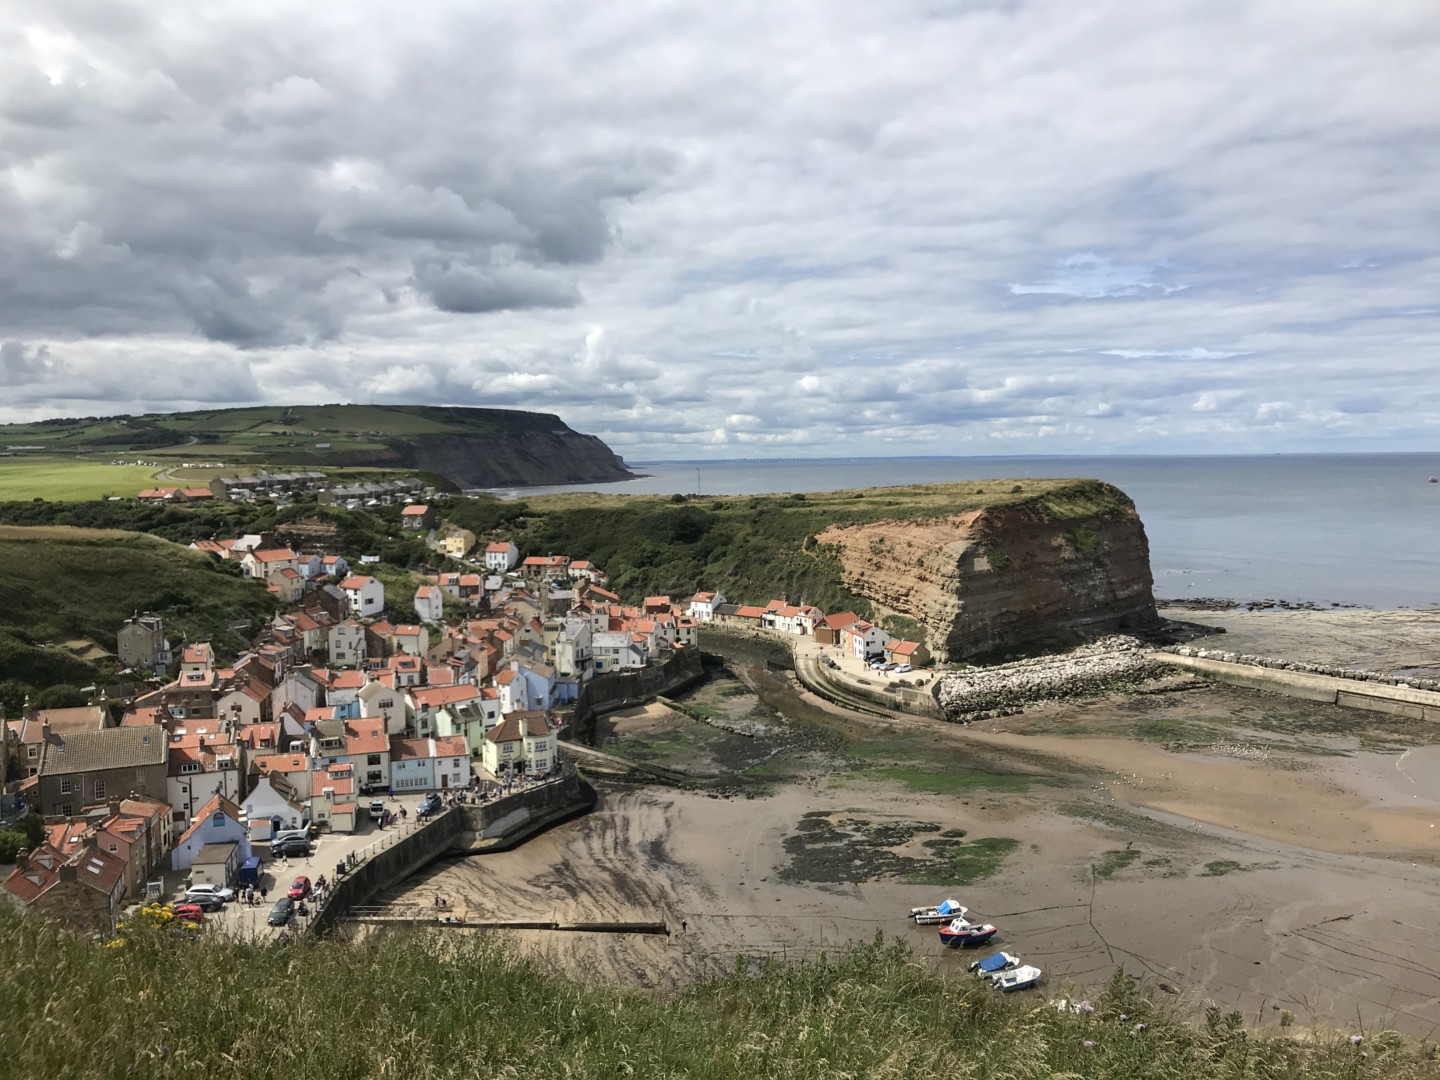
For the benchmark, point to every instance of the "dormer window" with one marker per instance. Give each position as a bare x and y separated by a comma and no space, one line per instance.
189,767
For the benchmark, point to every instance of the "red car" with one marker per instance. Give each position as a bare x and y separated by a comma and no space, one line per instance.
300,889
190,913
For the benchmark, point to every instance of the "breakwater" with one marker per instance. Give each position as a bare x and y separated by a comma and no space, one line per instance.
1107,665
1330,670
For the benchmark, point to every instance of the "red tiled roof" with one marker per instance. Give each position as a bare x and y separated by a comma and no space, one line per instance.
366,735
356,581
274,555
532,724
437,697
415,510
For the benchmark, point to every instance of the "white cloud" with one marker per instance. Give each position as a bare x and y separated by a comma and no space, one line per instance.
809,228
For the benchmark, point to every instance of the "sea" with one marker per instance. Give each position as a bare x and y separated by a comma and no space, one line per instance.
1343,530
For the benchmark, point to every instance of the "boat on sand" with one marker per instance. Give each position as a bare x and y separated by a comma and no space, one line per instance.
944,912
994,965
1021,978
964,934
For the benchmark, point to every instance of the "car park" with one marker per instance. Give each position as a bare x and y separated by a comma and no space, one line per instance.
211,897
190,913
296,846
299,888
282,912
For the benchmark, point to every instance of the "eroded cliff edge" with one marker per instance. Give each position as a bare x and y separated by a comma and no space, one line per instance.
985,582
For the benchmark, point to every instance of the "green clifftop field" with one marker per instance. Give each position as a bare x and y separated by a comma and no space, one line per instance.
468,447
411,1006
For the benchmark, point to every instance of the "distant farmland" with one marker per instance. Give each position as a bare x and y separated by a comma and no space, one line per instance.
66,479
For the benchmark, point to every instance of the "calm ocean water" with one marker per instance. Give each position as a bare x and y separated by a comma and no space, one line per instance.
1361,529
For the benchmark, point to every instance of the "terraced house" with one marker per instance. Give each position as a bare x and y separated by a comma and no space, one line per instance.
84,767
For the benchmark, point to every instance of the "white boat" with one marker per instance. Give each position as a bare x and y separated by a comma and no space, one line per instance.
1021,978
945,912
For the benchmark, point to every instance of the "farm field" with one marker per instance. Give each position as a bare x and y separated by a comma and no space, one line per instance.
64,479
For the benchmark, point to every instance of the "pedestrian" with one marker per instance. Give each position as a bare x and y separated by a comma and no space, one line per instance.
264,895
404,813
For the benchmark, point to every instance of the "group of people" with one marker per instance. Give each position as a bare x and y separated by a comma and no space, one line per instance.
254,895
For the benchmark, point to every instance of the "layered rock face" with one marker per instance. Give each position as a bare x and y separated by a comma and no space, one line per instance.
556,455
987,582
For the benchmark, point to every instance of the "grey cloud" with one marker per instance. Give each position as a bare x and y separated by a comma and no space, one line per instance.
470,290
1035,225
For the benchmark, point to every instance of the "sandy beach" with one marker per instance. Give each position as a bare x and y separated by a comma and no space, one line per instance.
1231,845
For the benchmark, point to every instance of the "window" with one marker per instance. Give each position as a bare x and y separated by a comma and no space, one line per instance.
67,809
67,787
541,745
189,767
34,751
99,789
372,759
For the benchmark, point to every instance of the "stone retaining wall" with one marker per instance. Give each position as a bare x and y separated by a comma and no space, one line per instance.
622,689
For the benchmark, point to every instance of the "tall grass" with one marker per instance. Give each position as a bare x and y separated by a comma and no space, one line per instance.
466,1004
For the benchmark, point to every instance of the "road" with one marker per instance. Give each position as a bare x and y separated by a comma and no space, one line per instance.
330,849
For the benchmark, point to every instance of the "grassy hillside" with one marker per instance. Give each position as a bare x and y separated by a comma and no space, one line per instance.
59,584
754,548
402,1006
270,432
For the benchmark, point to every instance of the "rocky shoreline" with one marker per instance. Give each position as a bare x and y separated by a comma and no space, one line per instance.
1216,603
1104,666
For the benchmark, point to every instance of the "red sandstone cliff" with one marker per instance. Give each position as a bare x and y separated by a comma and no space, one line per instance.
989,581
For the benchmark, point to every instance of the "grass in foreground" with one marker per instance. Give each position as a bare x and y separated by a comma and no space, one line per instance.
467,1005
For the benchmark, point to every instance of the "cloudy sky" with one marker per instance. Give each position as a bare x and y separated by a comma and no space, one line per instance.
746,229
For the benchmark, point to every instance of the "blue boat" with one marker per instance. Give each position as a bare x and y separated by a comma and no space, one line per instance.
962,934
991,965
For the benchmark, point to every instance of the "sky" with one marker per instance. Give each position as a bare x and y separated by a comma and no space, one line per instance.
749,229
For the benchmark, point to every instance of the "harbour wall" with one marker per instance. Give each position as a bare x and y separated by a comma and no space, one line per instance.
466,829
622,689
1373,697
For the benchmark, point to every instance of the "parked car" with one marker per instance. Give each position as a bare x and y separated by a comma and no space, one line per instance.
210,897
295,846
890,666
431,804
281,913
904,669
299,888
377,810
190,913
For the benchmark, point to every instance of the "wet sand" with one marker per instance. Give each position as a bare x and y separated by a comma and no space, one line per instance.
1304,881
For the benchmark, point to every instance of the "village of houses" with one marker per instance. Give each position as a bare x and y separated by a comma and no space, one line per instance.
334,704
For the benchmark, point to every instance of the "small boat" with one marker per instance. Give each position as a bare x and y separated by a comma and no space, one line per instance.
965,934
940,913
1022,978
1435,479
993,965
